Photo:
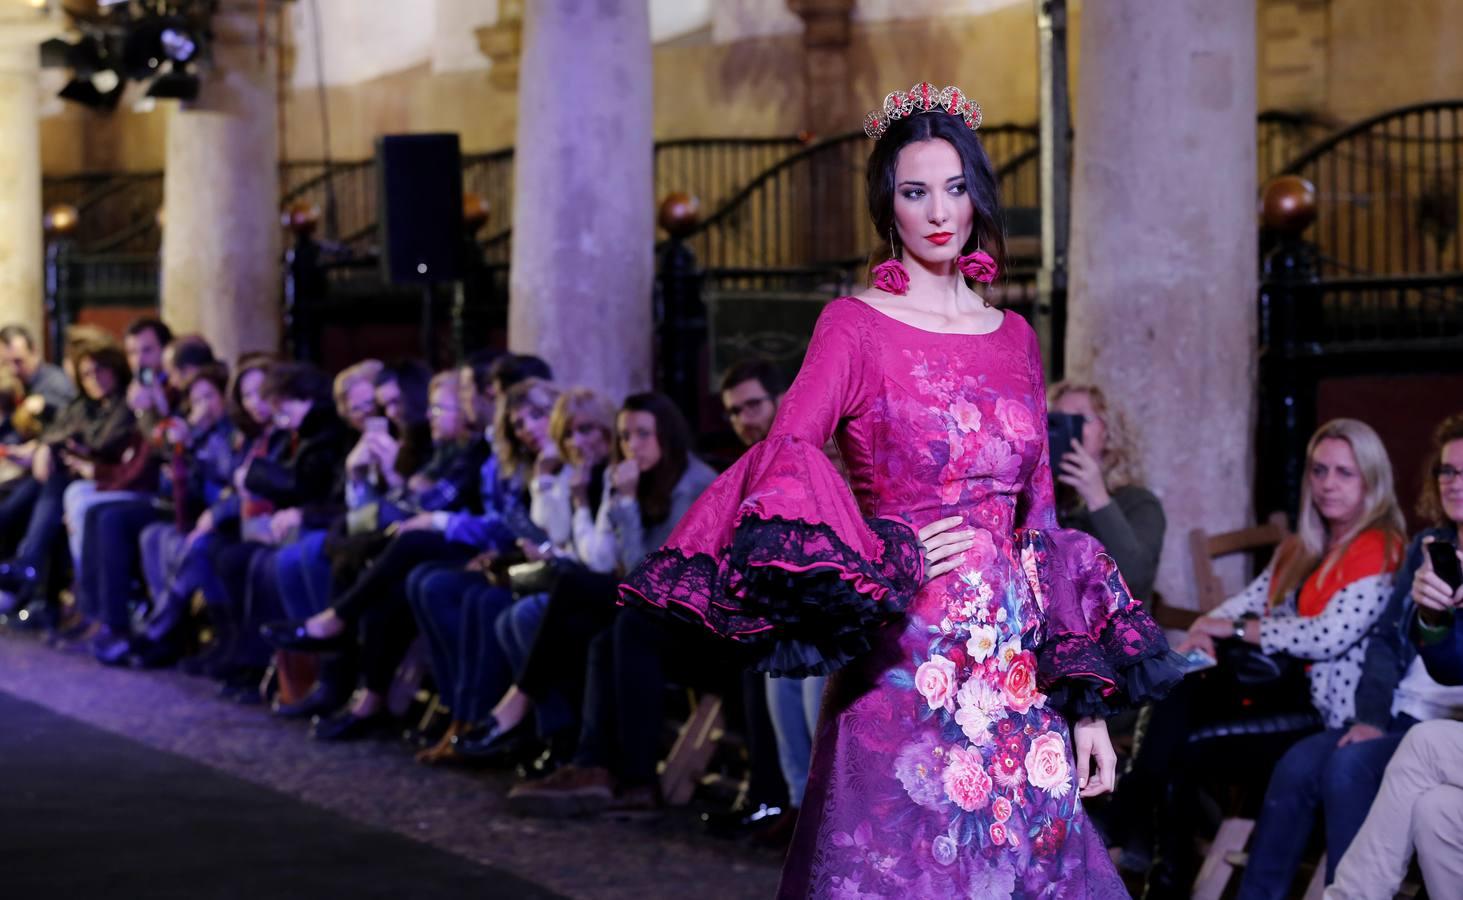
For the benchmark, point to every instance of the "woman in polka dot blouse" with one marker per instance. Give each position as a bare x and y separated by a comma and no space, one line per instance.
1315,602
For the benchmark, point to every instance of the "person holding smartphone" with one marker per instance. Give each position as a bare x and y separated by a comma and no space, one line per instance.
1100,488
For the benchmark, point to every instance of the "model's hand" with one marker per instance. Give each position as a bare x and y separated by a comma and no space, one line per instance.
944,549
1091,744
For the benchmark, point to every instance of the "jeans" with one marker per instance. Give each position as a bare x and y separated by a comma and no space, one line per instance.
15,509
303,574
793,703
1314,772
46,523
104,585
79,497
172,569
454,608
517,628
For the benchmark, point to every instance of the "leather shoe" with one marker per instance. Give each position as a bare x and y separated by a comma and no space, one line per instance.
110,649
324,698
491,744
291,635
163,618
347,726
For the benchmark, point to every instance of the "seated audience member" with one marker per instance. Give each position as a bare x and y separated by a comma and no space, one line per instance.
195,464
354,390
479,396
478,644
401,395
308,447
376,600
1099,487
1340,769
147,395
447,483
93,431
1315,602
1418,807
177,554
137,479
47,389
653,480
780,712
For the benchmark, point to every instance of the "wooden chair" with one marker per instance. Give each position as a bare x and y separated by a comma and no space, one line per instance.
683,767
1226,853
1204,548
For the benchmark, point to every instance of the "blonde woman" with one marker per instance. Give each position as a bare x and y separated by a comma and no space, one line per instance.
1101,486
1315,602
354,391
581,430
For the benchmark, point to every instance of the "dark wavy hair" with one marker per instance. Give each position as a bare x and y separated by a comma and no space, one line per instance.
674,436
980,181
1430,503
249,362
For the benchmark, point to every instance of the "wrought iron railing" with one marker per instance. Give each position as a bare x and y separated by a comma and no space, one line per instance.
1388,192
117,211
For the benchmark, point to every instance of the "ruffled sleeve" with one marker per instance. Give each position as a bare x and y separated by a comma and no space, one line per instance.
1099,652
776,553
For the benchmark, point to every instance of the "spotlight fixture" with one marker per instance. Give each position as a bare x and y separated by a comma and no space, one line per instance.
159,43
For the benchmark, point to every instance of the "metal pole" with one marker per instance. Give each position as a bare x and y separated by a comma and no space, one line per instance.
1056,184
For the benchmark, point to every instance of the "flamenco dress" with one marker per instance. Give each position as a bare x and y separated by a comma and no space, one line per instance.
942,763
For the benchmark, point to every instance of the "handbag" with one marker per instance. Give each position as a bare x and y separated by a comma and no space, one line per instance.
538,576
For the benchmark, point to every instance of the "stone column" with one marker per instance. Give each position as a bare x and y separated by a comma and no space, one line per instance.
1162,310
583,209
827,31
21,240
221,232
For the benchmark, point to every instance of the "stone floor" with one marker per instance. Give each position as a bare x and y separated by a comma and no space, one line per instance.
378,784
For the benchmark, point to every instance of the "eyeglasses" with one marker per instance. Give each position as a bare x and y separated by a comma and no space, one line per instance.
749,406
1446,472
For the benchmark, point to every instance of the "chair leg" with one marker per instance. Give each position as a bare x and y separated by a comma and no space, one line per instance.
1214,875
690,755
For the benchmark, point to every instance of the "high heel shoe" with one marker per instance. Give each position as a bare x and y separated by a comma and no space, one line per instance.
493,745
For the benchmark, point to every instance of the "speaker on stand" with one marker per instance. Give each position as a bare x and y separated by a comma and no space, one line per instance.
419,194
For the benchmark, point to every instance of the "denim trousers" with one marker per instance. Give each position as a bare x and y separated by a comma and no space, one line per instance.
1315,774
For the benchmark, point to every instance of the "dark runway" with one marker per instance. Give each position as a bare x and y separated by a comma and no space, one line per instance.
85,813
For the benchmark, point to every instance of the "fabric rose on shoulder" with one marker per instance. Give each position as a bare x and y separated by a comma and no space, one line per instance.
935,680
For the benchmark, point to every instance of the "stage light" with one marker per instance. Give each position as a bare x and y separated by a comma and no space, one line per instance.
178,44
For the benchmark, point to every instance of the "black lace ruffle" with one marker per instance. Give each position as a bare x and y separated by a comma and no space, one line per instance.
1126,665
802,600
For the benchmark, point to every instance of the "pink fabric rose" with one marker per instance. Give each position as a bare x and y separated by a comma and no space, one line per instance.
966,782
1017,420
890,275
1020,685
1002,809
978,266
1046,764
935,681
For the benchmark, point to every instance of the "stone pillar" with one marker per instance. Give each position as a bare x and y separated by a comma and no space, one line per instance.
1163,286
221,232
583,205
21,239
827,31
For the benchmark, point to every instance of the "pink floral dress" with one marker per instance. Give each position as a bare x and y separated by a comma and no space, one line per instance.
943,765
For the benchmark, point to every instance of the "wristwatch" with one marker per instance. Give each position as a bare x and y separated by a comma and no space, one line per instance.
1240,626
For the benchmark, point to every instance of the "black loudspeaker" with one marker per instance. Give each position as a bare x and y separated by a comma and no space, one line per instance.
419,182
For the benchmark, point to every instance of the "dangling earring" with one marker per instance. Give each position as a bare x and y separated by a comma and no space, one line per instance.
978,266
890,275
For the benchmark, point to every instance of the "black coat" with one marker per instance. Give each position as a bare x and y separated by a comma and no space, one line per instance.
308,471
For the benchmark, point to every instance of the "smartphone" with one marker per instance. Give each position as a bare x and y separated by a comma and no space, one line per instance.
1196,660
1444,558
1062,431
378,425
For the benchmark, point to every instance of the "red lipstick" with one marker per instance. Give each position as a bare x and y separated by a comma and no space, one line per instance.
940,237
